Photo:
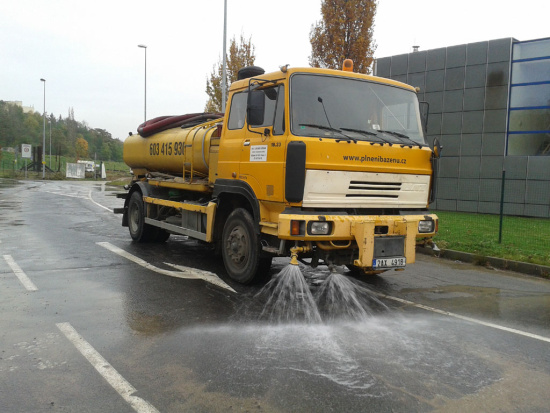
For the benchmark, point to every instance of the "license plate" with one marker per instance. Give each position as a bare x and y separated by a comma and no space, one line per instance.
389,262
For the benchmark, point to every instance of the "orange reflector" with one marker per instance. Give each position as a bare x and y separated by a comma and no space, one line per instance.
348,65
294,227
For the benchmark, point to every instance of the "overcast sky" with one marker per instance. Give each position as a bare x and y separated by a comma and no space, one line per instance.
88,54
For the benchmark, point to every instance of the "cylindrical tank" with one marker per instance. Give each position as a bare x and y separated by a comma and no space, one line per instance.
172,151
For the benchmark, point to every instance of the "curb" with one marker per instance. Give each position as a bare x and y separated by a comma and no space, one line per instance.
500,263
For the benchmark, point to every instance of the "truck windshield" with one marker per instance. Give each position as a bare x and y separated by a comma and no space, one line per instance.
329,106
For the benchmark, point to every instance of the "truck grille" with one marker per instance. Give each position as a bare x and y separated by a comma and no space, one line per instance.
368,189
351,189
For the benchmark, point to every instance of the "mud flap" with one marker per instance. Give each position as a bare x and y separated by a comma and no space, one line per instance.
363,232
409,230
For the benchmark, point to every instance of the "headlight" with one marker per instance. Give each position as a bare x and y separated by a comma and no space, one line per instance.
426,226
319,228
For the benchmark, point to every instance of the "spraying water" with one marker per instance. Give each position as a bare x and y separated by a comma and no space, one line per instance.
288,298
342,297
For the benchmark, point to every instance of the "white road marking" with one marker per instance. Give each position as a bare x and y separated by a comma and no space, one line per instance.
98,204
26,281
184,272
469,319
108,372
88,197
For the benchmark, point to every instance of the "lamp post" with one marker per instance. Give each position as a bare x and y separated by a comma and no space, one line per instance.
50,122
144,47
44,134
224,69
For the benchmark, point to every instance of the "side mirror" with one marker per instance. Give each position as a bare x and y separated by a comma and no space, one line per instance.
424,111
256,108
436,153
437,148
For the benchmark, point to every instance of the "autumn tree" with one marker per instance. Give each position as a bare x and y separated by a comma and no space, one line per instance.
344,32
240,55
81,147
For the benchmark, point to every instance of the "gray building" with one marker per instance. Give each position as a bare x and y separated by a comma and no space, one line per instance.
489,105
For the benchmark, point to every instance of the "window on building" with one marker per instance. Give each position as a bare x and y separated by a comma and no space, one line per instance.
529,109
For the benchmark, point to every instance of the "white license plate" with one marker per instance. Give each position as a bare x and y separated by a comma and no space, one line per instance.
389,262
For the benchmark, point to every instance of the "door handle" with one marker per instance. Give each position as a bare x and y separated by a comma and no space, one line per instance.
247,142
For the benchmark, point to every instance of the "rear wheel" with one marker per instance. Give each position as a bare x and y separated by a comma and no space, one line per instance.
139,230
161,235
241,248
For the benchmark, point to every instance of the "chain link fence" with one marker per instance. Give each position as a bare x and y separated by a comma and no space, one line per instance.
503,235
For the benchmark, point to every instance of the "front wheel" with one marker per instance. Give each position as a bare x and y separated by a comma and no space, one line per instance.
241,248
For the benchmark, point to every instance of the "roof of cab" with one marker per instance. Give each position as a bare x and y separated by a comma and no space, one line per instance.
279,75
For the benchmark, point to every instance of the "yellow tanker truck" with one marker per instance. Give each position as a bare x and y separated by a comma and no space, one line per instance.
324,166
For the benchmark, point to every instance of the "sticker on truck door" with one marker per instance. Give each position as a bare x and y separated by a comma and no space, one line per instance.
258,153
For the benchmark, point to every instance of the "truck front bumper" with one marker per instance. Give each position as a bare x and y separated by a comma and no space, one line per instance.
385,241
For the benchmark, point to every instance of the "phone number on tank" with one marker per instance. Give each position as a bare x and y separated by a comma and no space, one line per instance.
171,148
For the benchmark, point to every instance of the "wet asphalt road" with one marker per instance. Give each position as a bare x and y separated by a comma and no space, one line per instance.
83,328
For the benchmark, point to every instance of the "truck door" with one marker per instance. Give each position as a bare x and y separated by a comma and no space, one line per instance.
263,146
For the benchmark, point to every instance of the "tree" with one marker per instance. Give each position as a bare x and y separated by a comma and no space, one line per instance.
240,55
116,150
81,147
106,152
33,129
12,124
17,127
344,32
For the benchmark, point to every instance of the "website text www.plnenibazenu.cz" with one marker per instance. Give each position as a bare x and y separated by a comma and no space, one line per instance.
379,159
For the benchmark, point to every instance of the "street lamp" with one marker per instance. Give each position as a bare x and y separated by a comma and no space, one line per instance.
224,70
50,122
44,134
144,47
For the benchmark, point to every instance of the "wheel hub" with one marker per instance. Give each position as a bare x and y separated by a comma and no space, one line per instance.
237,245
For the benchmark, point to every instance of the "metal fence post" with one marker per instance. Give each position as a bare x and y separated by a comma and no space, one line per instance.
501,206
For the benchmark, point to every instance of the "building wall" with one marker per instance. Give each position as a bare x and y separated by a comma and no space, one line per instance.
26,109
467,87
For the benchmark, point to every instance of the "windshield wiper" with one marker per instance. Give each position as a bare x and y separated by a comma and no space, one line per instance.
402,136
363,132
323,127
368,133
320,100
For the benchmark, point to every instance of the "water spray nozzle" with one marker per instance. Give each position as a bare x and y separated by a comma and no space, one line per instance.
294,253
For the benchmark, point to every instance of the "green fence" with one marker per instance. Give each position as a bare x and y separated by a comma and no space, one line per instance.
521,238
518,238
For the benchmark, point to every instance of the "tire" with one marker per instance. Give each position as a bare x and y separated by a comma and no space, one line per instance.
161,235
139,230
241,248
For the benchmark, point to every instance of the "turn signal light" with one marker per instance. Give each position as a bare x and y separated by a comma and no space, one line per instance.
296,227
